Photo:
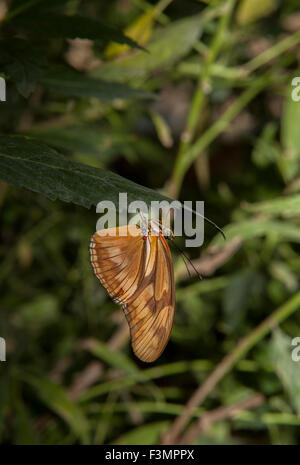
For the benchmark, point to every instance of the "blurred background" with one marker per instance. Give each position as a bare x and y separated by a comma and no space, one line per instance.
222,127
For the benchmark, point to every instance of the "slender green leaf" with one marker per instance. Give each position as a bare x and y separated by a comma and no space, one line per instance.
290,134
148,407
160,371
265,150
85,139
24,66
240,294
99,145
115,359
72,27
25,434
289,163
80,85
145,434
39,312
56,398
122,363
289,205
250,229
162,52
252,10
26,162
287,369
6,402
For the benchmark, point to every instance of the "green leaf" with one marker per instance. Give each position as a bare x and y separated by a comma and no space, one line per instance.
282,272
162,52
290,138
80,85
24,431
250,229
56,398
99,145
80,139
289,205
265,151
114,359
165,408
146,434
287,369
6,402
123,363
252,10
22,64
162,129
26,162
290,134
240,294
72,27
38,313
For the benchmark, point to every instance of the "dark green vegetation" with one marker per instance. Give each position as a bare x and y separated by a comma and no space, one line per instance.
204,113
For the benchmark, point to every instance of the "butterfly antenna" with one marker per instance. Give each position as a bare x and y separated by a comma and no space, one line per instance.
184,261
216,226
207,219
185,257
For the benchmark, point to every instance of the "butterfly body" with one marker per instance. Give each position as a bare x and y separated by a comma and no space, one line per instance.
135,266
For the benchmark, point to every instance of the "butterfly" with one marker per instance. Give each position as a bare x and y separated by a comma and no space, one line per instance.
134,264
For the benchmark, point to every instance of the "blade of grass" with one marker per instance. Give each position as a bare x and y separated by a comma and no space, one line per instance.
146,407
185,160
228,362
187,156
272,52
162,371
200,93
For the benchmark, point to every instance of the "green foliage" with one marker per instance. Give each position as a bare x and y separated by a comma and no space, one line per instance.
161,52
240,295
286,368
75,26
195,104
76,85
32,164
24,66
252,10
290,137
55,397
148,434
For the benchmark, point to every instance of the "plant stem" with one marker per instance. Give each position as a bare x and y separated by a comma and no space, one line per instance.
202,88
243,347
272,52
188,157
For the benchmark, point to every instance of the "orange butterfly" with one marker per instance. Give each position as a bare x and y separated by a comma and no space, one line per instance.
135,266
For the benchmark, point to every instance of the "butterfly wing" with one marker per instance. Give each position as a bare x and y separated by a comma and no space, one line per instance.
116,257
150,310
138,273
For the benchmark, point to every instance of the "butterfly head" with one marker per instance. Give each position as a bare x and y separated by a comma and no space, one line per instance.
156,228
